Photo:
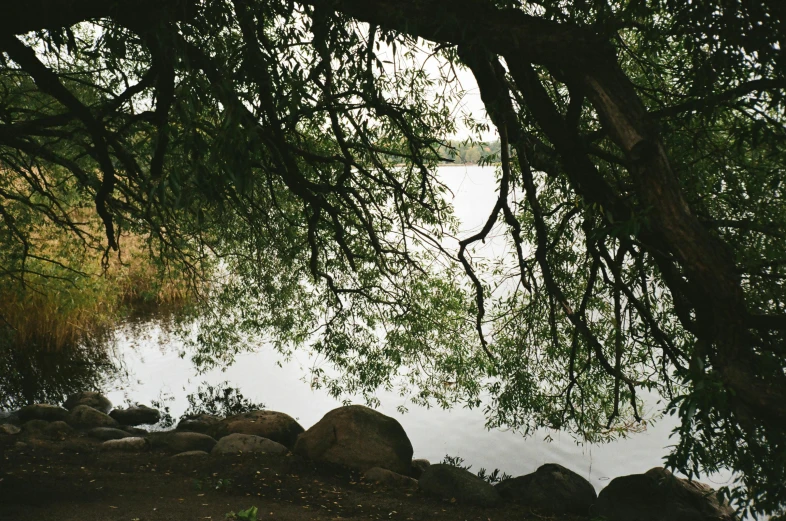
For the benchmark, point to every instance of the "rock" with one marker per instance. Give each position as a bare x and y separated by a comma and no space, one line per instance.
35,428
42,411
419,466
389,478
181,441
449,482
42,429
552,489
202,423
235,443
190,455
272,425
108,433
10,417
657,495
86,417
92,399
9,429
357,437
58,430
132,444
136,415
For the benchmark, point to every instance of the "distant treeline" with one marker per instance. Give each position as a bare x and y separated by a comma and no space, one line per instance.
463,152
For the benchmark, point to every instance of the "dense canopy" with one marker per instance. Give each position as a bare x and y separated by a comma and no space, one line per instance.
286,151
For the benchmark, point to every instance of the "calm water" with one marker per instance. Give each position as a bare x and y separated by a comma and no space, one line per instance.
150,357
150,368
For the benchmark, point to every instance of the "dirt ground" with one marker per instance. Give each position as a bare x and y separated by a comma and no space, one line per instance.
74,481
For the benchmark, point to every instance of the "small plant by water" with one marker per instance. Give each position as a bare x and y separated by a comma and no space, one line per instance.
495,476
219,400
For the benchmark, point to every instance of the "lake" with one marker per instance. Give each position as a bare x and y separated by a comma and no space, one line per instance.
150,356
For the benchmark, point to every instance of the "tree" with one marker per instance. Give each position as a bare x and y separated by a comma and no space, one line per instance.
641,166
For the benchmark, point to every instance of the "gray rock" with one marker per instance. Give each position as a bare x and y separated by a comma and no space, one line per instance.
272,425
43,411
86,417
245,443
10,417
92,399
108,433
58,430
657,495
35,428
9,429
202,423
190,455
449,482
136,415
357,437
176,441
419,466
132,444
389,478
42,429
552,489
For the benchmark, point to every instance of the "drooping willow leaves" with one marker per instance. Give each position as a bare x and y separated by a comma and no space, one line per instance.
287,151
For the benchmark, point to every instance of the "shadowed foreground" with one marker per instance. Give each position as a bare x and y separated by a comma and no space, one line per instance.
73,481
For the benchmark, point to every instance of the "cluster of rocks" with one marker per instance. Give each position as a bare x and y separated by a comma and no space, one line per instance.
366,440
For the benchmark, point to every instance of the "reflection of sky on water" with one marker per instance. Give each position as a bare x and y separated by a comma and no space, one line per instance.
155,369
151,358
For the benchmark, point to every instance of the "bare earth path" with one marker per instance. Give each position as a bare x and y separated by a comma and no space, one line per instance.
73,481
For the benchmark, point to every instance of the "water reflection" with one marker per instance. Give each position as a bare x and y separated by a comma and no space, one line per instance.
38,373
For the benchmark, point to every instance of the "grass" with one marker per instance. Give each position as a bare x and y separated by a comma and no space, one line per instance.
57,319
57,308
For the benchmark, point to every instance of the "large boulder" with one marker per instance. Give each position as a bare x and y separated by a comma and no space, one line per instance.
237,443
35,428
389,478
454,483
357,437
132,444
552,489
191,455
85,417
43,411
175,441
42,429
108,433
136,415
92,399
658,495
272,425
58,430
202,423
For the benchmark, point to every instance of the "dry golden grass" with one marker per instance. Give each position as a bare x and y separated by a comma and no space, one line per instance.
57,308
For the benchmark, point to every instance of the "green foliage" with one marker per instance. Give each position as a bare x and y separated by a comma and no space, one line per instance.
470,152
219,400
493,477
249,514
280,158
212,483
166,420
